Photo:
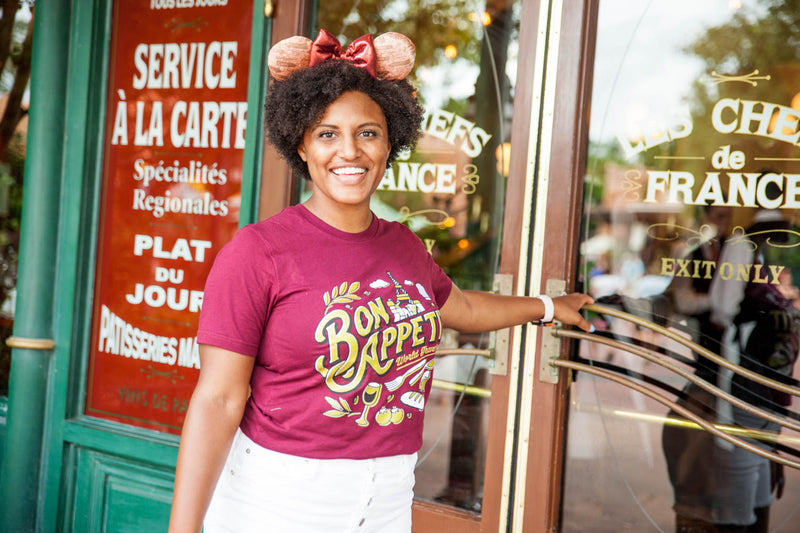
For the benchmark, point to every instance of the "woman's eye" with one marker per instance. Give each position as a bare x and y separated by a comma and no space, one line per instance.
326,135
369,133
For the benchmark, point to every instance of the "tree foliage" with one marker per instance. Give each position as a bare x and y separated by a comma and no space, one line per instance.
433,23
762,43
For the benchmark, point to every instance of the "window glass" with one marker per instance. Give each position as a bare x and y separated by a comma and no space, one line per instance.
173,160
451,192
14,83
690,221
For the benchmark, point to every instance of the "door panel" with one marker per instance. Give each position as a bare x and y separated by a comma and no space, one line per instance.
689,222
115,494
104,466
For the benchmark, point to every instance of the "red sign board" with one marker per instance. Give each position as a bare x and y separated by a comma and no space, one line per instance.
173,158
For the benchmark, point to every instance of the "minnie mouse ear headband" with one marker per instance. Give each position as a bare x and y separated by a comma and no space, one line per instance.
389,56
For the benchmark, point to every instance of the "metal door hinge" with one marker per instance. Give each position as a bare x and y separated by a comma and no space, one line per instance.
551,344
503,284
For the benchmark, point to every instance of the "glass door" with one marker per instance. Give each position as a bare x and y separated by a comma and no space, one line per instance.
452,192
689,223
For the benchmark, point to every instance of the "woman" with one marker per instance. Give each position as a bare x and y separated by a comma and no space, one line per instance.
319,323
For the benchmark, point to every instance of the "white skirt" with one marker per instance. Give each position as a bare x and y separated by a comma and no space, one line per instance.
260,490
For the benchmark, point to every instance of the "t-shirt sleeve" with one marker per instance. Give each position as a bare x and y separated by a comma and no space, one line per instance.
440,282
237,295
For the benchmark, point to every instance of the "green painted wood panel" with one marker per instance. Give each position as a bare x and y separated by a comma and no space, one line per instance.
99,475
115,494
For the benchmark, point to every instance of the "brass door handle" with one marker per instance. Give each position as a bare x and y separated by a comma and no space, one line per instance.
700,421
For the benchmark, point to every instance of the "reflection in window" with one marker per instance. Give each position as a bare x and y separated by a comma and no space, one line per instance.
17,21
451,192
690,222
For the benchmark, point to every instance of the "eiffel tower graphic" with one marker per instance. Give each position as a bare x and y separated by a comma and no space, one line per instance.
403,306
400,292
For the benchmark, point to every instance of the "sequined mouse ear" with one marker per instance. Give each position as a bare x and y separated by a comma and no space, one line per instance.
288,56
396,54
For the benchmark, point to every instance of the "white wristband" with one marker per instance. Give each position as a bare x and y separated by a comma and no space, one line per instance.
549,309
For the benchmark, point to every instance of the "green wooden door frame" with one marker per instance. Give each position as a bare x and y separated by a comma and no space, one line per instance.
30,368
46,425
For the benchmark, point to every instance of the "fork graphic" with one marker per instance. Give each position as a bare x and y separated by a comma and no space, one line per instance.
396,382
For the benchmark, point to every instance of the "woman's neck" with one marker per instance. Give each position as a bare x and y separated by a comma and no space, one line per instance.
350,219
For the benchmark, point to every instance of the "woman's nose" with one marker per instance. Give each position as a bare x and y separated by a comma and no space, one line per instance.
348,148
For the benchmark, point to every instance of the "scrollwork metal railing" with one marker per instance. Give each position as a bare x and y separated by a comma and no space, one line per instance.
717,430
693,346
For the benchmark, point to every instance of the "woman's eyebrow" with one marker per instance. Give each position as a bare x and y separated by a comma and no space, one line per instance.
336,126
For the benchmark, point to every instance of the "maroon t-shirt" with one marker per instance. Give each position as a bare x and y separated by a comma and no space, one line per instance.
343,327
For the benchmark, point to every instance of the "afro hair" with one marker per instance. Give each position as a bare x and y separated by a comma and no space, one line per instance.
298,103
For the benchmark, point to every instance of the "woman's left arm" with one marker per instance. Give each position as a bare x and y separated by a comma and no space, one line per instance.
477,311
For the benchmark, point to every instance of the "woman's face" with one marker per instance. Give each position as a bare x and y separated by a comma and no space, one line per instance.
346,152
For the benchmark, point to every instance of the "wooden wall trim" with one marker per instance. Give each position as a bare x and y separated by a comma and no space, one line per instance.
427,517
564,209
499,467
277,182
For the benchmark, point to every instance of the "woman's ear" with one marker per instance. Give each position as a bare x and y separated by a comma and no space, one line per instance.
301,151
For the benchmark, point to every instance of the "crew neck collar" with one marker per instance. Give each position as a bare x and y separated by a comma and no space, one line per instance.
320,224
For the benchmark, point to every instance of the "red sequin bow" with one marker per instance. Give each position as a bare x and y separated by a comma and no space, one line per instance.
360,53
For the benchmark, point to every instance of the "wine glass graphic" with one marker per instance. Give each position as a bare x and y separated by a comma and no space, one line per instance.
369,398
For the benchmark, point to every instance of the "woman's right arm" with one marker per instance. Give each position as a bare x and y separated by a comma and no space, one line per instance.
214,414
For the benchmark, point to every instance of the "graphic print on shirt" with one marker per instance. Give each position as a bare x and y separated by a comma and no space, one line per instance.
379,343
